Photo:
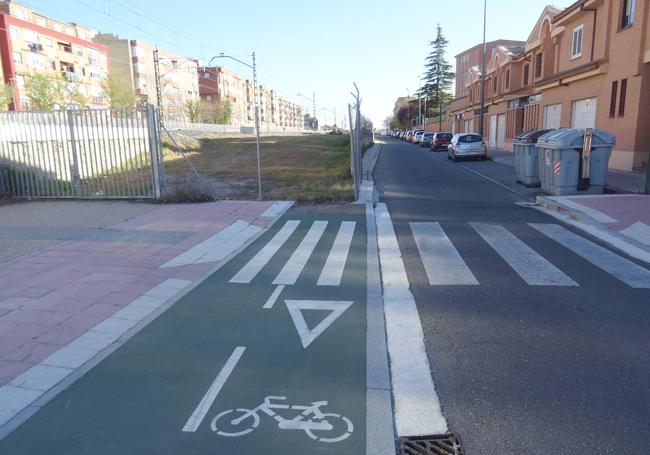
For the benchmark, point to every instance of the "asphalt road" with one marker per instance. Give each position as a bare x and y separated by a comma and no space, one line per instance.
521,368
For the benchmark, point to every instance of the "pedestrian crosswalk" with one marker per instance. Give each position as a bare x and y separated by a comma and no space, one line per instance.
441,258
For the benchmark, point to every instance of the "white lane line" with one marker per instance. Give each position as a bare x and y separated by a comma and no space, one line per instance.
333,270
638,231
202,409
274,297
277,208
627,271
534,269
417,407
442,263
292,269
250,270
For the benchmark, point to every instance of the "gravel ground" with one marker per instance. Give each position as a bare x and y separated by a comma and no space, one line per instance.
61,214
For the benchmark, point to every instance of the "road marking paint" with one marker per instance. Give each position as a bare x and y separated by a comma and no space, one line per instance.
417,407
335,264
534,269
276,209
627,271
308,336
218,247
202,409
638,231
253,267
292,269
274,297
442,262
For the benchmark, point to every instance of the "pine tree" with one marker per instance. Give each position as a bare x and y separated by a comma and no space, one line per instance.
438,77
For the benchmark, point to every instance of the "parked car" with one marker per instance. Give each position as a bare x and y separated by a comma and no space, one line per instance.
466,145
426,139
408,136
441,141
417,136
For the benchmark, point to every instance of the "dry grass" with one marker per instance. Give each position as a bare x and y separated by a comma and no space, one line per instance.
307,169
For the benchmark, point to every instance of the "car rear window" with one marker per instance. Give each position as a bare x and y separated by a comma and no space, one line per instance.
444,136
470,138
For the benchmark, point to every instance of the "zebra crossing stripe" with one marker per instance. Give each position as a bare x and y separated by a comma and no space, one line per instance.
625,270
292,269
333,271
442,262
253,267
534,269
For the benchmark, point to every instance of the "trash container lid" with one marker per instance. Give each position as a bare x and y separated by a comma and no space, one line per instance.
572,138
530,136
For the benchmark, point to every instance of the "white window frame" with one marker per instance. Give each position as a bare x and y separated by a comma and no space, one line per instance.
577,42
17,57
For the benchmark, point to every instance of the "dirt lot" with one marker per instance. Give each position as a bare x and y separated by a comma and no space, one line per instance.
308,169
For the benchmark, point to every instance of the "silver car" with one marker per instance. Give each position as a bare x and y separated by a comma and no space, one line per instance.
466,145
426,139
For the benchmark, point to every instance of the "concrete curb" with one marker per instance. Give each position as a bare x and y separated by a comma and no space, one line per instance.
592,227
380,426
31,408
368,193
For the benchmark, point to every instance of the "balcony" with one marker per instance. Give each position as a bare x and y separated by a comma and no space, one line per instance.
73,77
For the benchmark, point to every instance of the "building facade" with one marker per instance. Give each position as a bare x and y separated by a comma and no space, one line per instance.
132,61
220,84
31,43
587,66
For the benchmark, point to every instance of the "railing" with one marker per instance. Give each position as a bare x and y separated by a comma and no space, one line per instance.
98,153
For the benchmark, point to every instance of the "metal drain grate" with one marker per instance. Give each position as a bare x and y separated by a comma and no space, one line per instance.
448,444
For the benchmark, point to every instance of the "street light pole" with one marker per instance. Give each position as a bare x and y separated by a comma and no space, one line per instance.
481,118
257,115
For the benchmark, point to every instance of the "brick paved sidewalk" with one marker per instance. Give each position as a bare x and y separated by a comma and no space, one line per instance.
61,306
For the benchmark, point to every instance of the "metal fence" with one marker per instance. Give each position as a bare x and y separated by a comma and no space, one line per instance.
102,153
360,135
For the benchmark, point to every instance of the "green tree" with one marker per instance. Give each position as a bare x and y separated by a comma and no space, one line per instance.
120,95
6,96
53,91
438,77
219,112
194,110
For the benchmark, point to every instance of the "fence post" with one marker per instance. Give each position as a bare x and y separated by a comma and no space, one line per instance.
154,150
353,155
76,178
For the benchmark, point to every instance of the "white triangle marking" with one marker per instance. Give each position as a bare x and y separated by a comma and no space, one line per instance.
307,336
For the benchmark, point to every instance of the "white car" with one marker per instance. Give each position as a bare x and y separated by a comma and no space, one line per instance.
467,145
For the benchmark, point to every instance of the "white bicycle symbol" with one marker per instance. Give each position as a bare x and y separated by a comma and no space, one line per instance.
239,422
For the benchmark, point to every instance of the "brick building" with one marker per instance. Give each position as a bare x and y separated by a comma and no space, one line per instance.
132,62
585,66
220,84
32,43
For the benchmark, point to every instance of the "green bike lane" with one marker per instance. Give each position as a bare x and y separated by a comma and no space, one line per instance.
228,346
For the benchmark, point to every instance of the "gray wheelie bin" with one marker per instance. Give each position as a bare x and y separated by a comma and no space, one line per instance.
564,169
527,157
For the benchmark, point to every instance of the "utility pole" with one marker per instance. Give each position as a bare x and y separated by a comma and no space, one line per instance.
420,107
257,130
159,102
480,120
426,98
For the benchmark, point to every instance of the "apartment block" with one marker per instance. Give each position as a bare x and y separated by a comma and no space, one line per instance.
132,62
220,84
31,43
587,66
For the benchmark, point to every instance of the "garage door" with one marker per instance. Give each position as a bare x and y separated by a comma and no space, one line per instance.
584,113
492,137
552,116
501,131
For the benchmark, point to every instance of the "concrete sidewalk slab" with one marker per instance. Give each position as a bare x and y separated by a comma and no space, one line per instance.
63,304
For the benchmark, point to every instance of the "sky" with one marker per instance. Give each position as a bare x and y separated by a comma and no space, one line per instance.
310,46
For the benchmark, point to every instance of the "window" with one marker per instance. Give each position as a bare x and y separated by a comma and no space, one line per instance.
48,42
576,46
508,79
65,47
14,32
612,101
628,13
495,84
18,57
621,103
539,60
52,64
526,73
206,75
